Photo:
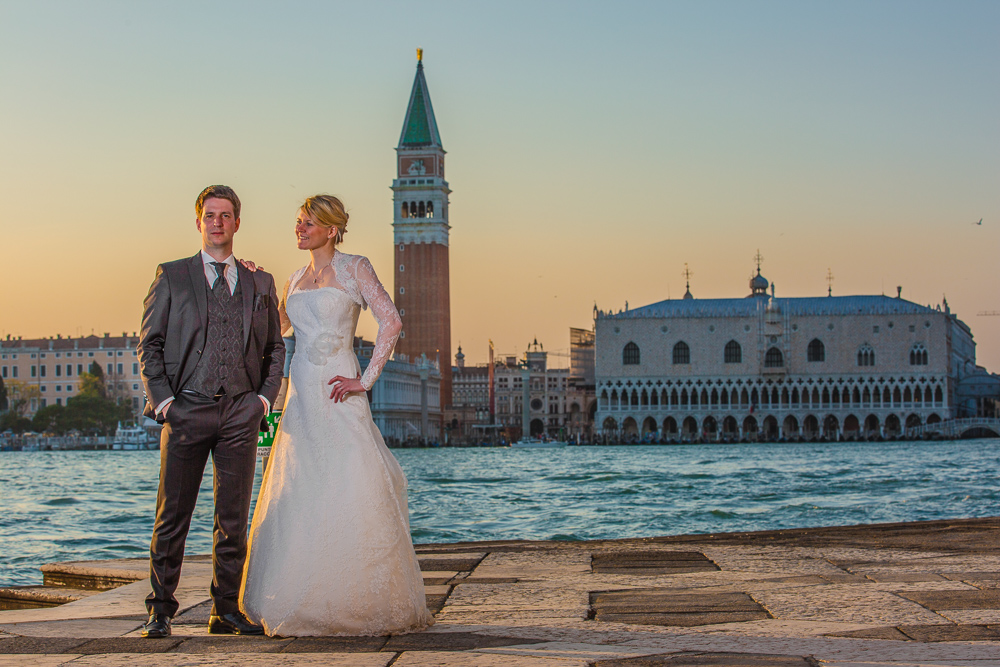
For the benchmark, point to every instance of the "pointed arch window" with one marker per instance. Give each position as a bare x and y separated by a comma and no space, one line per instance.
866,355
774,358
918,355
733,353
816,351
630,355
682,353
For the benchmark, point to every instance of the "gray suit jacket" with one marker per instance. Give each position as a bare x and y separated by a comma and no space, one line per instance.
175,322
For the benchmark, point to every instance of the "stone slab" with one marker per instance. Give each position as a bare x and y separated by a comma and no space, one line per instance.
203,660
36,645
335,645
712,660
960,599
86,627
950,633
450,641
477,659
232,644
36,660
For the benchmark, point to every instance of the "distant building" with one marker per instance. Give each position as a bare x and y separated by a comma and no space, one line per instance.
560,404
405,401
420,236
761,366
468,417
54,366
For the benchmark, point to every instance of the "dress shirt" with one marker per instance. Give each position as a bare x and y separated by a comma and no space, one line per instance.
211,275
232,275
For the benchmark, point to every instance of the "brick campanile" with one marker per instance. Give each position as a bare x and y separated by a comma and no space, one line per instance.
420,233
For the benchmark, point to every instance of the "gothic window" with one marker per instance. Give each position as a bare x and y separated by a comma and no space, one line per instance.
406,210
430,209
630,355
774,358
682,353
918,355
816,351
733,353
866,355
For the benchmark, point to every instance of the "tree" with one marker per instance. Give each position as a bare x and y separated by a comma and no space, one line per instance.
11,421
94,415
3,396
50,419
19,396
92,382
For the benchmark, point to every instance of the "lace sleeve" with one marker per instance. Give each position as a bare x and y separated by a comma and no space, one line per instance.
385,314
286,324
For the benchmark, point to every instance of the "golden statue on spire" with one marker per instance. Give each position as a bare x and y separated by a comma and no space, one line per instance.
420,54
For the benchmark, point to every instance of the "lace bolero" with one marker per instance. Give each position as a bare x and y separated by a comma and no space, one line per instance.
357,279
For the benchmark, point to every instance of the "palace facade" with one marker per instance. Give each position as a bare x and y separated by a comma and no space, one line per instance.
54,365
763,367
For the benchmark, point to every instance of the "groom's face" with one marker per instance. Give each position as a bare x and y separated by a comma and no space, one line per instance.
218,224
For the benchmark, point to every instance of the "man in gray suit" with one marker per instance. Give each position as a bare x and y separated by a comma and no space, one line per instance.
211,358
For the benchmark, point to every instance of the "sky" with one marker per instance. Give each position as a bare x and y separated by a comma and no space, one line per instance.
594,149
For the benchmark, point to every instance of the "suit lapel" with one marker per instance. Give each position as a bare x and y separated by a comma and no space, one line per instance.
196,268
246,280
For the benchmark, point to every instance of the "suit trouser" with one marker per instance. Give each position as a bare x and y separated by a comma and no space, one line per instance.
196,426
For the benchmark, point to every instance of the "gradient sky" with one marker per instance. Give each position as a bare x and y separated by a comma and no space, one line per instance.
593,149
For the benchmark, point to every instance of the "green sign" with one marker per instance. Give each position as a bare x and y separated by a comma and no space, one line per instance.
266,438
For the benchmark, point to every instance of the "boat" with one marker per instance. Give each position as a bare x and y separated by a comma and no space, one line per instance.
538,443
132,438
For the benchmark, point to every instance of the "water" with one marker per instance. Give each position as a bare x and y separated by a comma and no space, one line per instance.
57,506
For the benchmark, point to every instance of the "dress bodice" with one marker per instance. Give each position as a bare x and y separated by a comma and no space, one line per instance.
325,319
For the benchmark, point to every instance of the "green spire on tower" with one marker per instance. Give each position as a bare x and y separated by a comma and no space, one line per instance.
420,128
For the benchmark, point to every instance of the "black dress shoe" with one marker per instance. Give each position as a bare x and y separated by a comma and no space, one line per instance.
157,626
233,624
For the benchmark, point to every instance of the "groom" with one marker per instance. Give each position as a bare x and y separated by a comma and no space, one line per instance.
211,358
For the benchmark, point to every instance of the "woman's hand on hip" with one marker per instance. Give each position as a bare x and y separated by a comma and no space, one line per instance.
342,386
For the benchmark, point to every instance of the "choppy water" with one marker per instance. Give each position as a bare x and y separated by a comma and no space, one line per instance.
58,506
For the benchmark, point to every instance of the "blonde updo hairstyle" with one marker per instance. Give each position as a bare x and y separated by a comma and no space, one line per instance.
328,211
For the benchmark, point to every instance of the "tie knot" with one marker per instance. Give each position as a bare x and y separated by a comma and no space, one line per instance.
220,268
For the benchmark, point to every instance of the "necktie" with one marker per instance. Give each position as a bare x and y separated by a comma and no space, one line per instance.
221,286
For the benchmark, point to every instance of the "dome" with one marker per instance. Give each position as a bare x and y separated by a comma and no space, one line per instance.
758,284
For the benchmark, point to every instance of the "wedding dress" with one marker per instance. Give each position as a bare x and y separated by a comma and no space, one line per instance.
330,550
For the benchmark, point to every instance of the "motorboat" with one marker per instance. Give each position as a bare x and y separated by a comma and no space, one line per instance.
538,443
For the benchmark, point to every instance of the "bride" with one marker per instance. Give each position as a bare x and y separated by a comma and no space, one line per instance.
330,549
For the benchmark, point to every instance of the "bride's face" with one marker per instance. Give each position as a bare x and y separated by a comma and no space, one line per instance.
310,235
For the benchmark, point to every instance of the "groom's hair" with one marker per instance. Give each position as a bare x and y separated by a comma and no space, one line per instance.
217,192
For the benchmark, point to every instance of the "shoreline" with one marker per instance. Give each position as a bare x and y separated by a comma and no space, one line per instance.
875,594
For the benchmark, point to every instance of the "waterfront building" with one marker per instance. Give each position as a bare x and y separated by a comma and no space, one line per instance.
561,405
54,366
420,236
405,402
769,367
468,417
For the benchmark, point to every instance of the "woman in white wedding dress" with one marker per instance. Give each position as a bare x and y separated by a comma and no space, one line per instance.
330,549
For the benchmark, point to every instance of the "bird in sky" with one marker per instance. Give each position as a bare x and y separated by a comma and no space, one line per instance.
979,223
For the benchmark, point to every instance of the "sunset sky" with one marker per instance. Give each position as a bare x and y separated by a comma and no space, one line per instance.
593,150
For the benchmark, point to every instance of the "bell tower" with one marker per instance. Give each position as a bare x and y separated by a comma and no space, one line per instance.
420,233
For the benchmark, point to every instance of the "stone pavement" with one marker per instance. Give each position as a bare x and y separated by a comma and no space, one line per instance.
909,594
